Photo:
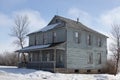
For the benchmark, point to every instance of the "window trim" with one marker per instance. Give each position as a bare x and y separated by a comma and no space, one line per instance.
99,42
99,58
89,39
90,58
54,36
77,37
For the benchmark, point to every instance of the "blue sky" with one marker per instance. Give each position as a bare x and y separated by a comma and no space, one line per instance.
96,14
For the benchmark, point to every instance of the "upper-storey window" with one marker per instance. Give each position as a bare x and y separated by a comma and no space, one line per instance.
77,37
35,40
54,36
99,42
32,40
45,37
89,40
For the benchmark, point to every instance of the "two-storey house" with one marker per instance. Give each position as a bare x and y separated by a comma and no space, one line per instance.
65,45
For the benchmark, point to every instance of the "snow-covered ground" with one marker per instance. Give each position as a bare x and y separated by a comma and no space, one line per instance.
14,73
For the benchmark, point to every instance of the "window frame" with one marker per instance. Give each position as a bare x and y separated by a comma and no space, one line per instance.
89,39
77,37
90,58
99,58
54,36
99,42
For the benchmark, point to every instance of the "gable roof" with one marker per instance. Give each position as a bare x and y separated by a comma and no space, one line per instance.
77,24
69,22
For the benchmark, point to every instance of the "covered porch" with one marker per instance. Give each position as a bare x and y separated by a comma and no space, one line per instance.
44,58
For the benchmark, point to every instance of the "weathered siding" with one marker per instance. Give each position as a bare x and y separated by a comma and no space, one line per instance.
39,38
31,39
77,53
60,35
48,37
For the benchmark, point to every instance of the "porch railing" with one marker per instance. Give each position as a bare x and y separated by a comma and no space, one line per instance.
37,65
40,65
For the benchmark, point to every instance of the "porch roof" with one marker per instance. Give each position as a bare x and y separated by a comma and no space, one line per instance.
39,47
32,48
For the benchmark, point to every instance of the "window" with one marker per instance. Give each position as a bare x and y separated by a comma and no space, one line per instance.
99,58
99,42
89,41
47,56
44,57
60,58
54,36
45,36
35,39
51,57
30,57
77,37
90,58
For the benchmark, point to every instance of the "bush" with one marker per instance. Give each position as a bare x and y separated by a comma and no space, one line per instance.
8,59
110,66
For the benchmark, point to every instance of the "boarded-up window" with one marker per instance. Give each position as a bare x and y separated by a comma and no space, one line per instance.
99,58
90,58
77,37
89,40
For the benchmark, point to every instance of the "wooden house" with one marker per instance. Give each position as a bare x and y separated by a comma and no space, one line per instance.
65,45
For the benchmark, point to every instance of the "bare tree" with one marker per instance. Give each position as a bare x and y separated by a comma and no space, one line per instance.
20,30
115,45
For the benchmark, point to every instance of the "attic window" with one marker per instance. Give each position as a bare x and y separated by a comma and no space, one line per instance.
56,20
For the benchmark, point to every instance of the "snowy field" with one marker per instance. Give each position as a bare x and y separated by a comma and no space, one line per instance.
14,73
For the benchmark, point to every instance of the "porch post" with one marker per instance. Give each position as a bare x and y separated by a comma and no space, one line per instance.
19,60
40,55
54,59
18,57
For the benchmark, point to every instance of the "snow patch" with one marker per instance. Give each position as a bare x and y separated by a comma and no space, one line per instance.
13,73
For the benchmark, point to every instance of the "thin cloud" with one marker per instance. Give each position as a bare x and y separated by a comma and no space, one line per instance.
35,18
83,16
11,3
7,21
111,17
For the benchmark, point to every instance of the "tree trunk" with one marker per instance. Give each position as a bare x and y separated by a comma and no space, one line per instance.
24,57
